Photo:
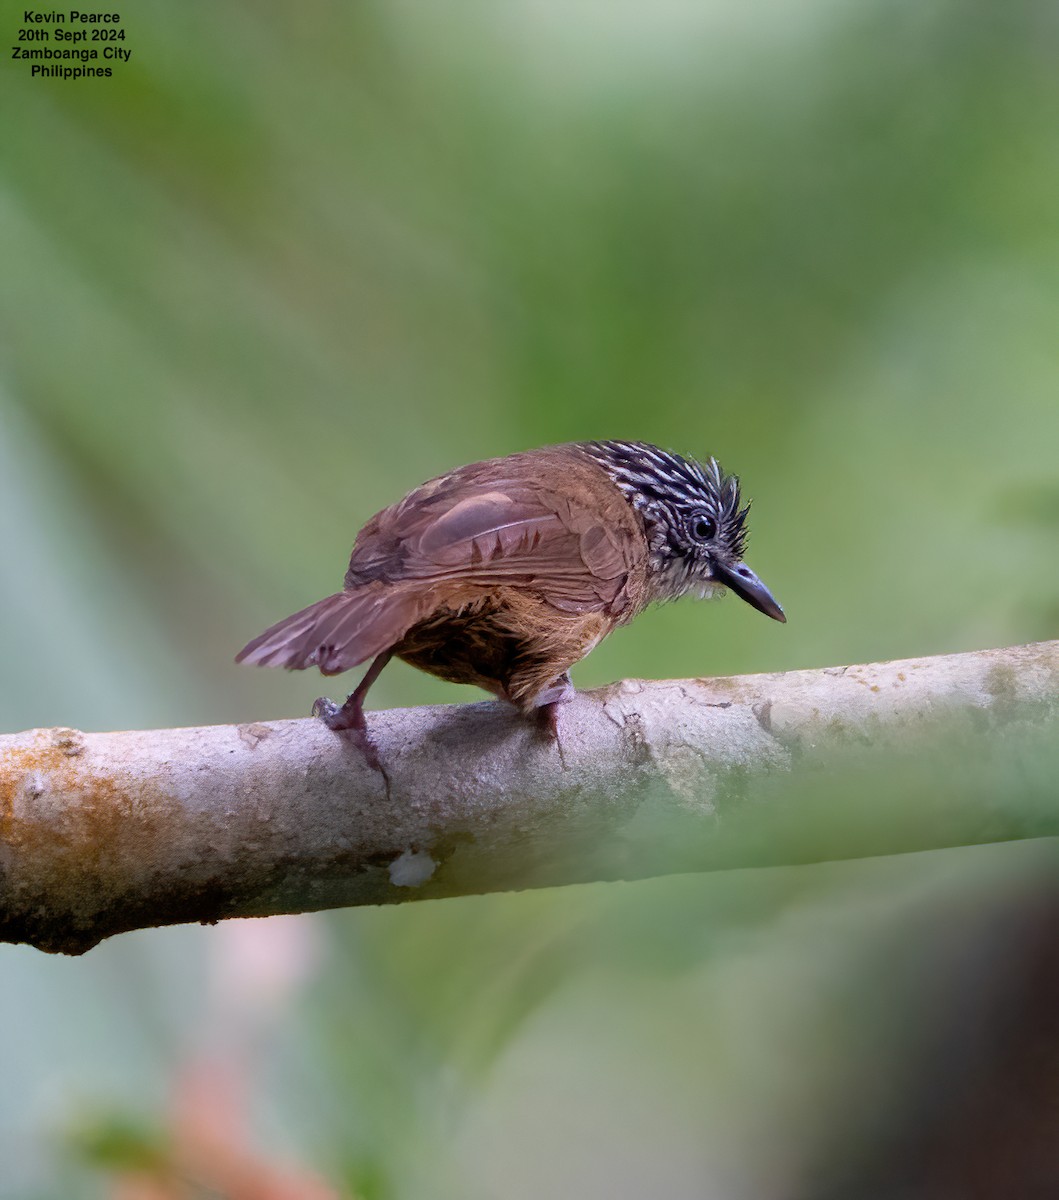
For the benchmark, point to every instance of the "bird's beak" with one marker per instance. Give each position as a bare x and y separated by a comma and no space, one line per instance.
746,584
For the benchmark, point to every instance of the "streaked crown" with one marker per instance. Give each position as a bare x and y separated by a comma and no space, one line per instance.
675,490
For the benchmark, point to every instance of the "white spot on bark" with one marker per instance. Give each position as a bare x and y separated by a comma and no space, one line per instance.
412,869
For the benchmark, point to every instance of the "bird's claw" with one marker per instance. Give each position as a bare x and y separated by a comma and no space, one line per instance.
348,718
327,710
548,721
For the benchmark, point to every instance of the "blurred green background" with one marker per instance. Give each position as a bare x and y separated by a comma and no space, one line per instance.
292,260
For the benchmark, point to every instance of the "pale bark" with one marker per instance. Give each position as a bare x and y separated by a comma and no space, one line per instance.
105,832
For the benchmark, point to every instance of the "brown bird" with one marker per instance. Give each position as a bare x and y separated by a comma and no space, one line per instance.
507,572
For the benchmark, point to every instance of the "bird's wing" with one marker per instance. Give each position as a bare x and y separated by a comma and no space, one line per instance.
570,545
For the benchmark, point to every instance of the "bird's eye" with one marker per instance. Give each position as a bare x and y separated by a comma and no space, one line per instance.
703,527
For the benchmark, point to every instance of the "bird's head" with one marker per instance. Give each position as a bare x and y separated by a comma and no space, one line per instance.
696,529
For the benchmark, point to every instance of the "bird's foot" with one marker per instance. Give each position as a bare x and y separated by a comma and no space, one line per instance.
338,717
547,716
559,692
349,719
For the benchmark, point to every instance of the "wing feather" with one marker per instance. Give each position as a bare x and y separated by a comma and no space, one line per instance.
487,529
546,524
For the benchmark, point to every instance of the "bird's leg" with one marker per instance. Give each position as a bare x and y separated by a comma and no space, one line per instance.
351,714
560,691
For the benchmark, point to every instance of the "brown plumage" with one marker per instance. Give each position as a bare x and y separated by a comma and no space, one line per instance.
507,572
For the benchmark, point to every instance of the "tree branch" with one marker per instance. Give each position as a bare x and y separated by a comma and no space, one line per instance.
106,832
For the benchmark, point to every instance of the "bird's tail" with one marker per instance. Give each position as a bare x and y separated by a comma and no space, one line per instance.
335,633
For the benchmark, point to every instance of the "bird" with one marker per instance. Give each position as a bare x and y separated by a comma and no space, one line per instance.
507,572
